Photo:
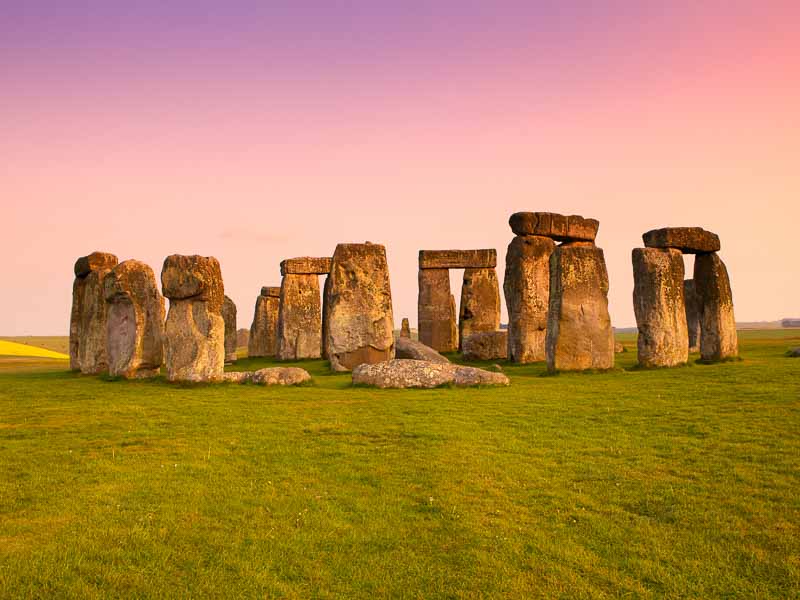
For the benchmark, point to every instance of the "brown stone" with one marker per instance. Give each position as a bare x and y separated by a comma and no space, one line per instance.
658,304
485,345
299,318
692,303
579,333
195,330
527,291
404,373
79,323
480,303
405,328
263,340
92,351
269,376
325,316
135,325
360,323
458,259
718,337
414,350
306,265
436,311
689,240
619,348
229,316
555,226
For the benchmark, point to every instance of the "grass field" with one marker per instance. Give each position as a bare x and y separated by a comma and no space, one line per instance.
666,483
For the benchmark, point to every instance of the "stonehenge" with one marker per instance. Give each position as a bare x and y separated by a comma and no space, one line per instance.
229,316
263,340
674,320
87,328
359,324
135,323
300,312
195,330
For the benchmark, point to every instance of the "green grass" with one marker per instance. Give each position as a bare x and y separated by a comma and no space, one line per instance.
666,483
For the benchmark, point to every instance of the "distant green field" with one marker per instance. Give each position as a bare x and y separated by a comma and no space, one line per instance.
666,483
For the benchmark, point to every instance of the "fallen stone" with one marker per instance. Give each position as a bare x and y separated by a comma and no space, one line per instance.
359,325
306,265
263,338
689,240
404,373
414,350
135,323
458,259
718,337
237,376
692,302
280,376
485,345
527,291
436,311
558,227
229,316
480,303
299,318
405,328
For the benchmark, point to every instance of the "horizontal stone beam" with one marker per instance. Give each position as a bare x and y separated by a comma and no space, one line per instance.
561,228
458,259
271,291
689,240
306,265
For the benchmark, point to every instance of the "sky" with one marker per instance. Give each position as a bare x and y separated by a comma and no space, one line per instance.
257,131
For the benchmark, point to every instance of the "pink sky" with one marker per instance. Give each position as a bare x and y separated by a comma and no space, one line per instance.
255,133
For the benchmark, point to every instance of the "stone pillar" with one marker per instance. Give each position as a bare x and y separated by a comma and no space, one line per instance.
195,330
87,327
692,314
229,316
264,330
579,333
527,291
718,338
658,304
405,329
299,318
135,326
325,316
436,311
480,303
360,324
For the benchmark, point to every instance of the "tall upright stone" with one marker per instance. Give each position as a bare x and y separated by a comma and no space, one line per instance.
718,338
87,327
299,318
579,333
405,328
263,341
436,311
692,314
360,325
527,291
480,303
658,303
229,316
135,325
195,330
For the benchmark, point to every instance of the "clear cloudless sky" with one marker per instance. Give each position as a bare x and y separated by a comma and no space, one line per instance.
256,131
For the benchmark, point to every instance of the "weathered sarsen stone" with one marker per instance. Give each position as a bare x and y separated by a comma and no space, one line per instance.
480,303
558,227
692,303
229,316
436,311
299,318
360,324
689,240
658,303
485,345
458,259
414,350
87,328
306,265
718,338
579,333
195,330
403,373
527,291
135,325
263,339
405,328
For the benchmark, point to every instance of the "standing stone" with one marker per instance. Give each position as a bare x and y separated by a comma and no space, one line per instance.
718,338
485,345
195,330
658,304
436,311
299,318
87,327
263,339
229,316
527,290
692,314
360,323
480,303
579,333
325,316
405,328
135,327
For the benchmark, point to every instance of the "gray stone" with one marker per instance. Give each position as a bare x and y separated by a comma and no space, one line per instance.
558,227
718,337
458,259
403,373
436,311
414,350
300,318
485,345
87,324
692,303
229,316
405,328
480,303
263,339
689,240
280,376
